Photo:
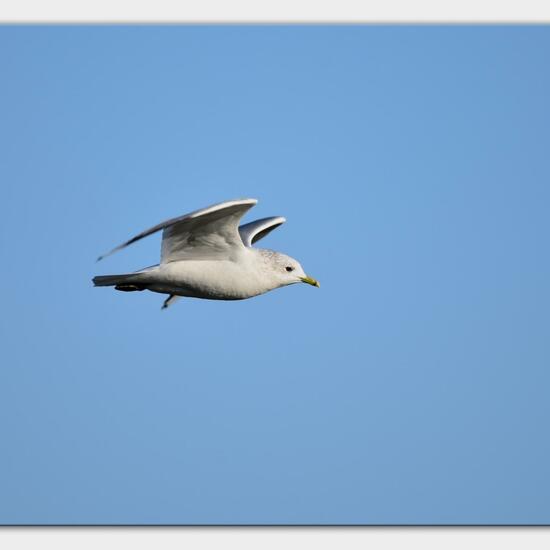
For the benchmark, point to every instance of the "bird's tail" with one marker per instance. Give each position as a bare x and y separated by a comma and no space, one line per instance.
126,281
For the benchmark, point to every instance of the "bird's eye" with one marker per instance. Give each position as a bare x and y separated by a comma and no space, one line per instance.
288,268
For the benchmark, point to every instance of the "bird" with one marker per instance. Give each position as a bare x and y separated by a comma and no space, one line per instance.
206,254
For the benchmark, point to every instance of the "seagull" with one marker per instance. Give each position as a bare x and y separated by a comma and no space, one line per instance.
205,254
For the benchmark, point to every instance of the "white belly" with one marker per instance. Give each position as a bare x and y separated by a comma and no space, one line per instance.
215,280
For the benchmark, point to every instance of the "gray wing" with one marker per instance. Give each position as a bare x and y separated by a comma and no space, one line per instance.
256,230
204,234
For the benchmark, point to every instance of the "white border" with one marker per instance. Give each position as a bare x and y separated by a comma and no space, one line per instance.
289,11
275,538
312,11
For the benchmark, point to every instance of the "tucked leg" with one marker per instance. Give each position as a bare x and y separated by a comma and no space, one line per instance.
170,300
129,288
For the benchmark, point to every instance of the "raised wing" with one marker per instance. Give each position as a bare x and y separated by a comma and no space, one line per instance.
207,233
256,230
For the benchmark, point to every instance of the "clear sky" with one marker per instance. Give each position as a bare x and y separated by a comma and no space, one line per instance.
413,167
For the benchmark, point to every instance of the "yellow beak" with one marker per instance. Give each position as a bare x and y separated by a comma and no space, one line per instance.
310,281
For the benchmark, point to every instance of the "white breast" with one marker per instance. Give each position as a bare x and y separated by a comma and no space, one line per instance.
216,279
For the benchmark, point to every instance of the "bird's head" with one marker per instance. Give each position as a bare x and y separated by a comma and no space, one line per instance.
287,270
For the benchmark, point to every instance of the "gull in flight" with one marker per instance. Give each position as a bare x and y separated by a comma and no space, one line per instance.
206,254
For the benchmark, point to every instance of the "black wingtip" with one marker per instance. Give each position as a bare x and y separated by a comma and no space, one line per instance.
105,255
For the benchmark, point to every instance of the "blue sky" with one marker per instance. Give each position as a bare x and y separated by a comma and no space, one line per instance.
412,166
